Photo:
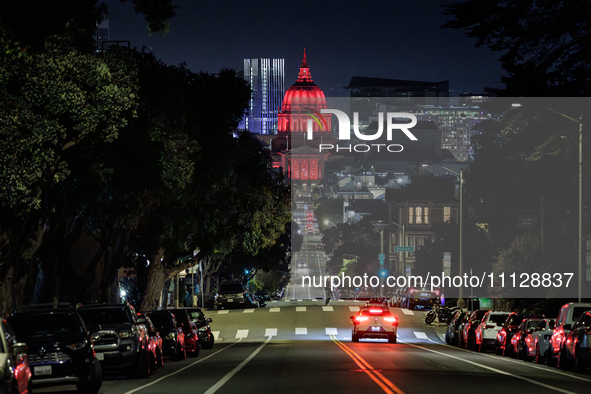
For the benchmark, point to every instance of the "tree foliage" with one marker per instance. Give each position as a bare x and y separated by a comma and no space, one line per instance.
545,45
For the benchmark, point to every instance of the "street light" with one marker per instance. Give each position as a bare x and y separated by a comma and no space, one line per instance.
580,122
461,174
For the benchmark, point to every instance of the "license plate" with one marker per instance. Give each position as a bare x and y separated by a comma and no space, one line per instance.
375,328
100,356
230,300
42,370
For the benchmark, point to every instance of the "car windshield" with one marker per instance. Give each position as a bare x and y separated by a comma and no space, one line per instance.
532,324
196,314
32,326
578,311
95,317
230,288
498,319
161,320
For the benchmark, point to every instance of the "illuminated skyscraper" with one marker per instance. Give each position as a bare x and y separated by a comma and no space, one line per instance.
266,78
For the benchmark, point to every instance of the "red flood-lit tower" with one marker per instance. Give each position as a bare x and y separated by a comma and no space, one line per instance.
302,99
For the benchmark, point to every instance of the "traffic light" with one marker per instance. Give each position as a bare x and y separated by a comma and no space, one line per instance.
383,273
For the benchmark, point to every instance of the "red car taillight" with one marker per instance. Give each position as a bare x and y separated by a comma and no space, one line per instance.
375,311
359,319
391,319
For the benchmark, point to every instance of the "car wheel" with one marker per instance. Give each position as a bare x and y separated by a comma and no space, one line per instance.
447,339
142,366
208,344
562,361
461,340
498,350
159,358
94,382
578,365
538,357
507,349
195,352
550,360
355,338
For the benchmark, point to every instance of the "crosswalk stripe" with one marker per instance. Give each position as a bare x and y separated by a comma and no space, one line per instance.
420,335
241,334
223,312
248,311
216,335
354,308
327,309
271,332
331,331
300,300
300,309
274,309
407,312
301,331
314,300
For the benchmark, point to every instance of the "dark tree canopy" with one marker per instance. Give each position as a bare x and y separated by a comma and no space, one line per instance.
545,44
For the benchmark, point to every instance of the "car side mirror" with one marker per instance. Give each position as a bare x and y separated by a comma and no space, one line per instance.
141,320
209,320
19,348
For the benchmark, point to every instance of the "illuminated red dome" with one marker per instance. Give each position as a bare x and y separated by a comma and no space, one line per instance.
302,98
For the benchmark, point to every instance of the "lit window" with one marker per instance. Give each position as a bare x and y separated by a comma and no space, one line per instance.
446,214
411,215
419,215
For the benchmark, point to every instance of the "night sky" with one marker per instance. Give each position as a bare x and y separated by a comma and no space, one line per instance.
385,39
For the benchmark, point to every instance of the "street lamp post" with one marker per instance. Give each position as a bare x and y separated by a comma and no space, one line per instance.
461,175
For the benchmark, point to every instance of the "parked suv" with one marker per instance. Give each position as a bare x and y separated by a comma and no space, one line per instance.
15,373
206,338
508,329
190,331
233,294
485,334
173,337
567,317
423,297
60,349
118,341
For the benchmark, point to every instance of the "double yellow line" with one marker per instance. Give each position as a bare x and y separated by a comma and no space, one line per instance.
376,376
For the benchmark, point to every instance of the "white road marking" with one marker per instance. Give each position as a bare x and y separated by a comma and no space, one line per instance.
271,332
407,312
248,311
327,309
421,335
216,335
354,308
233,372
492,369
331,331
301,331
300,300
341,300
223,312
274,309
241,334
314,300
300,309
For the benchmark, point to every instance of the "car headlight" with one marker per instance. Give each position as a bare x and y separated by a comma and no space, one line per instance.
171,336
125,334
239,295
203,329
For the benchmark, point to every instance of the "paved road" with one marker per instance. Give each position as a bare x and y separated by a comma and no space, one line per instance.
304,347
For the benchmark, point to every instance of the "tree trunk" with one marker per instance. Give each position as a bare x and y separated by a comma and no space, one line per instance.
11,292
156,279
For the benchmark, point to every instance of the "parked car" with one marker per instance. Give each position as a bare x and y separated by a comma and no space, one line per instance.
233,294
508,329
59,347
190,331
263,294
206,338
567,317
173,337
156,358
15,372
451,334
577,347
422,297
485,334
120,341
466,339
538,341
374,322
518,343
